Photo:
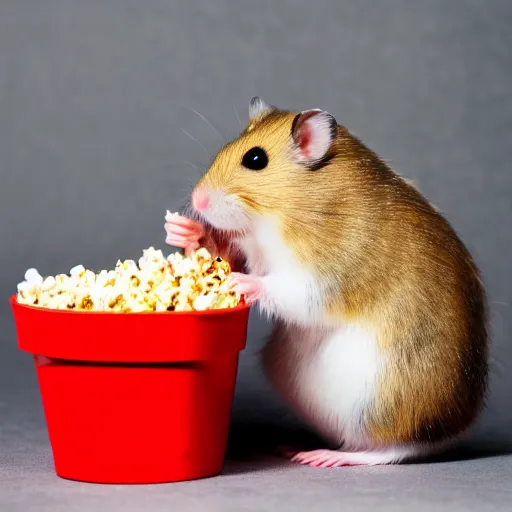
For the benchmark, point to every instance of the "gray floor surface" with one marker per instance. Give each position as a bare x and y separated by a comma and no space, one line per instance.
28,483
477,481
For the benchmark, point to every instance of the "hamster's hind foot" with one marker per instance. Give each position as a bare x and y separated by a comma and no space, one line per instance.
335,459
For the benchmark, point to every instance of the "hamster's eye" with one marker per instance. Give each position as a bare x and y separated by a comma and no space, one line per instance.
255,159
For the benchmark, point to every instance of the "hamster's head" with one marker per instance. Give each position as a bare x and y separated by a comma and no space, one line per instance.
266,169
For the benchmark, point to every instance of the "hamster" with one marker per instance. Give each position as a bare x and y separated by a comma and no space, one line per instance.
380,340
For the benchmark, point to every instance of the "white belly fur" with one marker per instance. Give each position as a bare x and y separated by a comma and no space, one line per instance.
328,376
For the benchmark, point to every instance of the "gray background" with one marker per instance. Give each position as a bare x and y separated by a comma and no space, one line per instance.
94,96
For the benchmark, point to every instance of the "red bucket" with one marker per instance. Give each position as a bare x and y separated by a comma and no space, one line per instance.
135,397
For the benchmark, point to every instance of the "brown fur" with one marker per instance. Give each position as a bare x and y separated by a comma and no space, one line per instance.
389,260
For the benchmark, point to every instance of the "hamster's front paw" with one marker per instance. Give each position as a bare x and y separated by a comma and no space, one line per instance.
183,232
251,287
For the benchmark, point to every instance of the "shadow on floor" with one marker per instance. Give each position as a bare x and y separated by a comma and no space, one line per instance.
251,441
475,449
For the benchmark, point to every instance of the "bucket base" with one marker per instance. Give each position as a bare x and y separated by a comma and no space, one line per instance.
137,423
169,480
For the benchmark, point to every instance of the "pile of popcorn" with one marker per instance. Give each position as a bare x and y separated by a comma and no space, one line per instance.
157,283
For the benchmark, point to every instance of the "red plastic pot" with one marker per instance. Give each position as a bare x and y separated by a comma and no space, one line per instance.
135,397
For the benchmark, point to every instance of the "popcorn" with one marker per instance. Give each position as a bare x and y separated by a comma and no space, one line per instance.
49,284
169,216
77,271
204,302
29,289
155,283
32,276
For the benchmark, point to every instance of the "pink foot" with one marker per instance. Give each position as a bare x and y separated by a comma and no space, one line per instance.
323,459
249,286
335,459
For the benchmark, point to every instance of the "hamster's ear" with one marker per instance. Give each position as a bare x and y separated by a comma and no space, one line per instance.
313,132
258,109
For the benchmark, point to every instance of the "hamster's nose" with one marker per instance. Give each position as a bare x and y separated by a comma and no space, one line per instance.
200,199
